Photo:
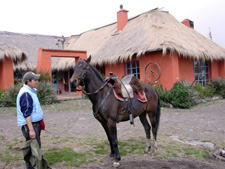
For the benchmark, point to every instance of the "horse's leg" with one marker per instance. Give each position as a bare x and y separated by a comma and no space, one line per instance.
147,128
113,136
154,126
112,154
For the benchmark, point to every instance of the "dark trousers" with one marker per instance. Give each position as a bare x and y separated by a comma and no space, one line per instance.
25,131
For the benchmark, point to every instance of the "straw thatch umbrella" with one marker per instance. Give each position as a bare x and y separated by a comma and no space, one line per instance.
12,52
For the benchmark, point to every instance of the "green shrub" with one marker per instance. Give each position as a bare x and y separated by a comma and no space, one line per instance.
204,92
193,94
178,96
11,94
162,94
219,86
1,97
44,77
46,93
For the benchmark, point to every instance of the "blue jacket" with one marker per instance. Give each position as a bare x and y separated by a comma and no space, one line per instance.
27,104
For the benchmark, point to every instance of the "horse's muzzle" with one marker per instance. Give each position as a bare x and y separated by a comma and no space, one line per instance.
74,81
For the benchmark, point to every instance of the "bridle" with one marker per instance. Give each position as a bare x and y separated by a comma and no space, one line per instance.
106,82
82,77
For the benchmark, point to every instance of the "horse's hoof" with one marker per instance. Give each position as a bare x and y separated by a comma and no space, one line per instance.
153,153
116,164
145,150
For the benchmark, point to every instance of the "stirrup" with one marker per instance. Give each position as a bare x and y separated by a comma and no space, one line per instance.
131,118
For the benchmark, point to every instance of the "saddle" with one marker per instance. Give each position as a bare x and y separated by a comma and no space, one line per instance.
129,90
128,87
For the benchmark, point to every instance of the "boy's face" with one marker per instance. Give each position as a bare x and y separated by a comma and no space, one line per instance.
32,83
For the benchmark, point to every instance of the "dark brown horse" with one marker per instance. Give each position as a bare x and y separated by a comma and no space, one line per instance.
106,107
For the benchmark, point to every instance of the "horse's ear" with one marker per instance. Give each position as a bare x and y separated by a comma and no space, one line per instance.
89,59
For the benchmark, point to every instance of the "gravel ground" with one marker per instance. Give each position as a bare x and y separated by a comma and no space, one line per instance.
74,119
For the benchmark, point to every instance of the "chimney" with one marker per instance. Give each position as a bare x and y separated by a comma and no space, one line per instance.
188,23
122,18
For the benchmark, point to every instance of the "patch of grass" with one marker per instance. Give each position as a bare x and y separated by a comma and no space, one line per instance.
200,105
10,156
2,138
131,146
173,149
171,153
169,150
197,152
71,151
64,109
168,135
66,155
96,151
101,149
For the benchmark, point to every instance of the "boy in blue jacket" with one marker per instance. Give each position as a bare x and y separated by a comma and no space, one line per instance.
29,113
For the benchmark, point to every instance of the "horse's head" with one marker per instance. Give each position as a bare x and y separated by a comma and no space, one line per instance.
81,72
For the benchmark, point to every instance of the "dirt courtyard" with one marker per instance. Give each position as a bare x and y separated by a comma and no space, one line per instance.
204,123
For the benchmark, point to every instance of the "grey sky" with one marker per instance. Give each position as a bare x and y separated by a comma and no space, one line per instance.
71,17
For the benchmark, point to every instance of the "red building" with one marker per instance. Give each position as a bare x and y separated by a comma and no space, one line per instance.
156,36
9,55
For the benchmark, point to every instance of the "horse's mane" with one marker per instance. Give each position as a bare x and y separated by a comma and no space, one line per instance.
97,73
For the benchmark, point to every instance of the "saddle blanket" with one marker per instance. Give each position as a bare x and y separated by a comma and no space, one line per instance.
140,95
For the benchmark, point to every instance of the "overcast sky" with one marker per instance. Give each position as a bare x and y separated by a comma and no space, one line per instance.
71,17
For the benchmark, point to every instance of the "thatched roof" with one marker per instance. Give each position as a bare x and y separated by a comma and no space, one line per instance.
155,30
30,43
12,52
64,64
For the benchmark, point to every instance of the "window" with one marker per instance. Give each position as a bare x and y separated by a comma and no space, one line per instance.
201,72
133,68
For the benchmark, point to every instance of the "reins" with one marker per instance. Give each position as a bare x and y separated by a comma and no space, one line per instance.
65,129
106,82
96,111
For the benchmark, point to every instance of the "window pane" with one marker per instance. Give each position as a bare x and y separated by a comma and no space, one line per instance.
201,72
128,72
195,63
128,65
133,68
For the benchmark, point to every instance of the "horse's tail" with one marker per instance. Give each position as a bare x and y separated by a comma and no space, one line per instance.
158,112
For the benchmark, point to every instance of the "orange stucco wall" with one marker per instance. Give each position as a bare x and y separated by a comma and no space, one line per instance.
44,61
169,65
214,70
173,68
186,69
217,69
44,57
118,69
221,68
6,74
